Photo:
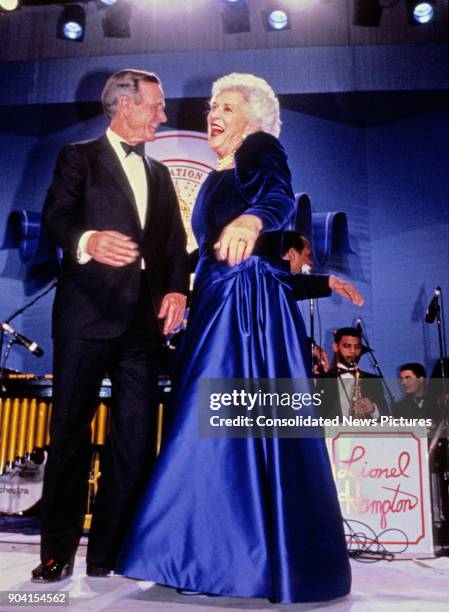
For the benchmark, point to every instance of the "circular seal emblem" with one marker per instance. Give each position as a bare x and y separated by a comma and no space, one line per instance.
187,177
189,160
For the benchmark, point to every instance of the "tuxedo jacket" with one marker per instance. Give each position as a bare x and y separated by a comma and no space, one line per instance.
370,385
304,286
409,409
90,191
311,286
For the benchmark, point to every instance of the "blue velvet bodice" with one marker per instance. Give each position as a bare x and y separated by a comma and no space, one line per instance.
260,185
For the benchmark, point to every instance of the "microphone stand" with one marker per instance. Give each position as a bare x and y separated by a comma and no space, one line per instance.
312,335
443,356
3,364
306,269
375,363
9,319
443,425
2,335
33,301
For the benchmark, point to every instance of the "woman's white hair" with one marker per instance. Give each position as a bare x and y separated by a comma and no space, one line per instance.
262,101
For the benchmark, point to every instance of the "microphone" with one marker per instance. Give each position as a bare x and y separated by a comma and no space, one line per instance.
433,307
365,347
306,269
33,347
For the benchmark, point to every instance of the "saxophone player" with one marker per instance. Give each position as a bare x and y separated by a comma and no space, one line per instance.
348,390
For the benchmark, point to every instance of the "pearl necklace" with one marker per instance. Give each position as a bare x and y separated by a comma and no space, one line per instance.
226,162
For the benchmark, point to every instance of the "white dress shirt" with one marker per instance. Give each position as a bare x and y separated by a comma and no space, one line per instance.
134,167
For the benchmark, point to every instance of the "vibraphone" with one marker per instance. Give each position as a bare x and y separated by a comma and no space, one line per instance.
25,413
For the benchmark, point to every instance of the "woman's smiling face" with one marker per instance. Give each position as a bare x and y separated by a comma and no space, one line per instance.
228,122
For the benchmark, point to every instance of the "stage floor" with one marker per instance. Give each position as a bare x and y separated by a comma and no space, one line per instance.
412,586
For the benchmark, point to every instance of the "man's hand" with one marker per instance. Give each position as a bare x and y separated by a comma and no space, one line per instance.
172,310
363,406
346,290
322,360
112,248
237,240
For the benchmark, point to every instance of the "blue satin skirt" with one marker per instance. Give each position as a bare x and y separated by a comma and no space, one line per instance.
240,517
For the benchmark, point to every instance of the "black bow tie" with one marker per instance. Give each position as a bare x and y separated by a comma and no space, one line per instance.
345,370
138,149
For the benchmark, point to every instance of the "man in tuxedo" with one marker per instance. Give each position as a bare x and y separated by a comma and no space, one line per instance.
338,383
297,250
422,400
417,401
125,269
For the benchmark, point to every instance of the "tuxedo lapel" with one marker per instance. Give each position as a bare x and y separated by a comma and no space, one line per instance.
153,190
109,160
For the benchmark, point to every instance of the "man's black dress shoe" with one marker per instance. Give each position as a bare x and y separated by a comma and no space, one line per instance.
52,571
96,571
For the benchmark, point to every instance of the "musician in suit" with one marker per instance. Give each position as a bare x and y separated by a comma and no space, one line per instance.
297,250
417,402
125,270
338,383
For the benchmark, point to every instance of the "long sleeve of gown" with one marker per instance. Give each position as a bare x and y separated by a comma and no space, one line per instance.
264,180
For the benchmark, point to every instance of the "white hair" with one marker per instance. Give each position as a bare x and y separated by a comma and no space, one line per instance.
262,101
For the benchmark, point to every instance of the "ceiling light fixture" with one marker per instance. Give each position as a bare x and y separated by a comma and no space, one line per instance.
72,23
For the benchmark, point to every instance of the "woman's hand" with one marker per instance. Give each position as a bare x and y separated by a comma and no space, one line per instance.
237,240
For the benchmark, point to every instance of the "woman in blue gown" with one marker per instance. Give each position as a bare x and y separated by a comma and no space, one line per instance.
250,517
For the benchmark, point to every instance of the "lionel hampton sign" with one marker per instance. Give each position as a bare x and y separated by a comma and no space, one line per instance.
382,481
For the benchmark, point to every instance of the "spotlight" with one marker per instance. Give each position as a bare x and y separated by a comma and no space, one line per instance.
9,5
277,20
367,13
420,11
72,23
108,2
235,17
116,21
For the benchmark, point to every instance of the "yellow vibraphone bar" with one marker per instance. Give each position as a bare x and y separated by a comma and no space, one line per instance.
25,420
25,413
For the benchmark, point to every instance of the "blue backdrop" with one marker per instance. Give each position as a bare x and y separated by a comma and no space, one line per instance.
364,136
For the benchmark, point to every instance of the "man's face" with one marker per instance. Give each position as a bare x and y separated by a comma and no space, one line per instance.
298,259
348,349
306,254
411,384
142,119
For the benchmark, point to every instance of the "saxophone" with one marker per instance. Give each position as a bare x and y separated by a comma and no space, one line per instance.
356,391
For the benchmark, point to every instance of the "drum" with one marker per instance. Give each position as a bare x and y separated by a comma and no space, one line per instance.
21,487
